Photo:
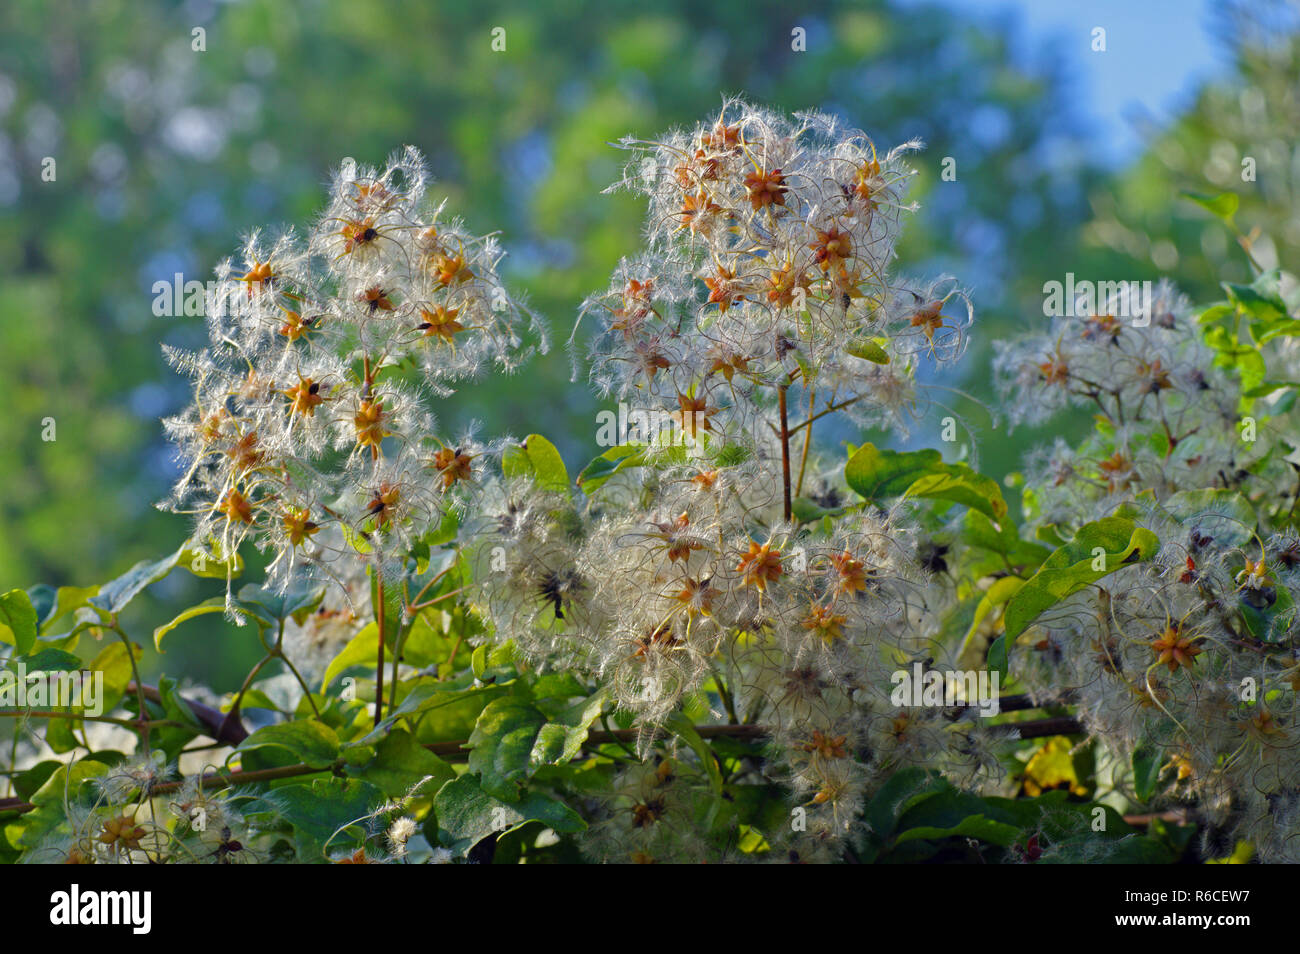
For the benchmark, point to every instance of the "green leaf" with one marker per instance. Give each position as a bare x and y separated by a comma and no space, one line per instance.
18,621
52,660
1053,766
996,595
561,738
997,656
425,694
1146,771
537,458
116,664
972,826
502,745
875,472
1233,355
203,566
441,535
805,510
469,814
869,349
401,763
963,486
310,742
979,531
1242,854
513,737
1270,624
215,605
326,808
1262,331
66,785
68,599
362,649
429,641
1270,387
115,595
623,457
1049,533
61,734
1070,568
171,739
297,601
1215,312
1223,206
950,807
1262,300
1223,514
44,598
354,538
29,781
558,686
682,727
903,789
174,705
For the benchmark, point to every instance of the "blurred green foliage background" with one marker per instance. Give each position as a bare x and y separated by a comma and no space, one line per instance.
167,154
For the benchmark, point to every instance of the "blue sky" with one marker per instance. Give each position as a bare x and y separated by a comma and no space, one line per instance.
1157,53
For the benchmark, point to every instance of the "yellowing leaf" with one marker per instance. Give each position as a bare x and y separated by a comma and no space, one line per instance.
1052,766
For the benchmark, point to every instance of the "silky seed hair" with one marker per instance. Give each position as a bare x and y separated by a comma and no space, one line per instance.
313,430
767,263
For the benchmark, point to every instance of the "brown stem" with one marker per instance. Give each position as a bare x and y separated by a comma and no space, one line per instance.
220,727
1020,702
379,671
1176,816
451,660
232,717
213,780
413,603
453,749
142,716
828,409
615,736
1056,725
807,442
416,607
136,724
785,450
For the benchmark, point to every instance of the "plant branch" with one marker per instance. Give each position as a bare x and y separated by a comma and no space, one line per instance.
807,443
379,666
141,715
1056,725
220,726
785,450
828,409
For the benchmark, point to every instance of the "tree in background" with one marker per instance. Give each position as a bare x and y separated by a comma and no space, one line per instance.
1238,137
172,127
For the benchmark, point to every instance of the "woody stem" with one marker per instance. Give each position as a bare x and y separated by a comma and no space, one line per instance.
379,665
785,448
807,442
458,749
142,715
